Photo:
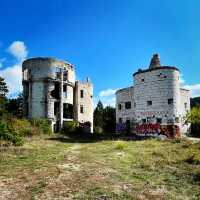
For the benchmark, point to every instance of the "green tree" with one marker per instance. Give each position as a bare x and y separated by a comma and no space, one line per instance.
193,117
15,106
3,92
109,119
98,117
3,88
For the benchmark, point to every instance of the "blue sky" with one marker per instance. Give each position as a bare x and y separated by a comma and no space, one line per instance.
106,40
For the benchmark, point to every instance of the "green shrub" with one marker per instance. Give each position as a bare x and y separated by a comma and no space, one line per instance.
23,127
10,136
98,130
70,127
43,125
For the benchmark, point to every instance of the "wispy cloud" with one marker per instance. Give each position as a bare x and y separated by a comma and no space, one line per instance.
107,92
194,89
107,97
18,50
13,74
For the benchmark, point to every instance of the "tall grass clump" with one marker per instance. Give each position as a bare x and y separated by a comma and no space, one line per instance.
43,125
120,145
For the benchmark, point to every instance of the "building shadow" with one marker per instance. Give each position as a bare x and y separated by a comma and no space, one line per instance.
92,138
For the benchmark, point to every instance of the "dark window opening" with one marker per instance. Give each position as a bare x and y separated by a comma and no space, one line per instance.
120,120
128,105
134,104
142,80
159,120
170,101
128,125
81,109
144,121
149,119
185,105
56,108
119,106
65,75
149,103
67,111
81,93
55,93
64,88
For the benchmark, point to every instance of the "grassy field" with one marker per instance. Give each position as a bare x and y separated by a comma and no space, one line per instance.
61,168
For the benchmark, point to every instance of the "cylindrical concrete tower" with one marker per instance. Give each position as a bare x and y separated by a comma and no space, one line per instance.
48,86
157,94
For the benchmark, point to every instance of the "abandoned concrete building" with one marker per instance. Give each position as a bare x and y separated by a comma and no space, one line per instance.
50,91
155,98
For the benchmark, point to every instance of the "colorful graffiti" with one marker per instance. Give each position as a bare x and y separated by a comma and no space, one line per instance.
149,129
170,131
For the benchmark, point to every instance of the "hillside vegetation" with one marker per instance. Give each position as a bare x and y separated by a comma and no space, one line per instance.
57,167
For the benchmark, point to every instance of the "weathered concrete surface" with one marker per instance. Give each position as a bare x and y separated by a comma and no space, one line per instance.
150,97
50,92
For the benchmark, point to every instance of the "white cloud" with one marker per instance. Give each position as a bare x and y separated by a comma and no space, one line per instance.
194,89
107,92
13,78
13,74
107,97
18,50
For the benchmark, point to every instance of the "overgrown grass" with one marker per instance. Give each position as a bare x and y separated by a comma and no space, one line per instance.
13,130
47,168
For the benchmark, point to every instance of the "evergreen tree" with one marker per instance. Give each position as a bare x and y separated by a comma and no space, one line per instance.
3,88
98,115
3,92
15,106
109,119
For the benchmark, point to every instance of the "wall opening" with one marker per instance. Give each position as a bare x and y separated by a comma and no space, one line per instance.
67,111
56,92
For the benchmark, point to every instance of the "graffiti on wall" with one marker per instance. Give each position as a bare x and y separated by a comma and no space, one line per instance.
150,129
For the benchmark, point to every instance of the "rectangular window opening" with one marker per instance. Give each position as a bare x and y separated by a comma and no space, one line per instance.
149,103
144,121
120,120
159,120
170,101
64,88
81,109
128,105
81,93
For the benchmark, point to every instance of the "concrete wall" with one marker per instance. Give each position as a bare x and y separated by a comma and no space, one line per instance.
184,109
86,102
43,84
122,96
157,86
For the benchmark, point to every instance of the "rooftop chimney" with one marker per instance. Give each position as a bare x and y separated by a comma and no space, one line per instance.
155,61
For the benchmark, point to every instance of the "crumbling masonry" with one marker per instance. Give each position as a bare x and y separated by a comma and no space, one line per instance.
50,91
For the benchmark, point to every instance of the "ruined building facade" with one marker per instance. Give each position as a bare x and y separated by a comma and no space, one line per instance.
51,91
155,98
